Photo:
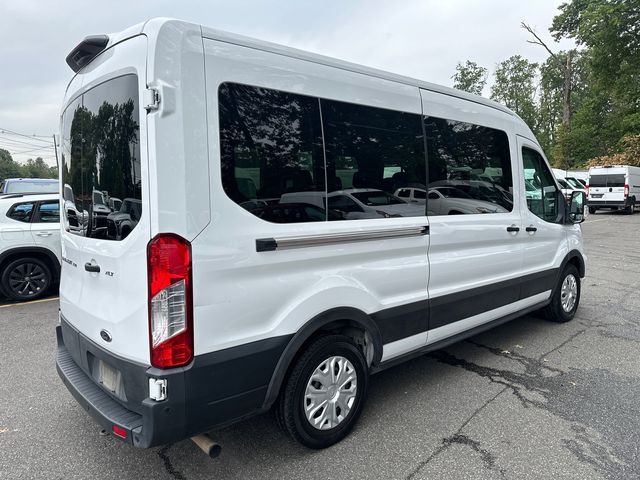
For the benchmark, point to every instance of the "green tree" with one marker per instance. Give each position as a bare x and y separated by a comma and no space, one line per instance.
36,169
609,32
514,86
9,168
470,77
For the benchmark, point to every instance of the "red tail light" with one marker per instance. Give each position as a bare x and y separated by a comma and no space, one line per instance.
626,191
119,431
170,301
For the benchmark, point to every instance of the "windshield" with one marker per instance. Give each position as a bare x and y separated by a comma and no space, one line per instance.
100,152
27,186
377,198
573,182
98,198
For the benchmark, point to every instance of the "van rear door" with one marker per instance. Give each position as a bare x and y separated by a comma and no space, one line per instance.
103,290
607,187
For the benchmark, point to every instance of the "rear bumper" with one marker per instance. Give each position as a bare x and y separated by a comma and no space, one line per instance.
146,422
215,390
607,203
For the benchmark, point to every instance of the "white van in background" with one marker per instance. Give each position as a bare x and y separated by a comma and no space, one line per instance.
235,290
616,188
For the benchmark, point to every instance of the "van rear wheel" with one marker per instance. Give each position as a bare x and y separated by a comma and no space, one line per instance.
592,210
324,394
566,297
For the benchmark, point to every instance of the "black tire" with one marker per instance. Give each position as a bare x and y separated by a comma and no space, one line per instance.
26,278
555,312
592,210
290,407
628,210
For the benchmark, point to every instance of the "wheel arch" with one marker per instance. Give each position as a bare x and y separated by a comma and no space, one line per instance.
342,320
575,258
38,252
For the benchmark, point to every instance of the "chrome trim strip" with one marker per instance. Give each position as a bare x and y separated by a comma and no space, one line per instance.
285,243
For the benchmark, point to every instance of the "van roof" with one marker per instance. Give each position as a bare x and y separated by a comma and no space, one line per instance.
154,26
242,40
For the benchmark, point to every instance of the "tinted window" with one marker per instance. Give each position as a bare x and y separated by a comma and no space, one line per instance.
472,159
21,212
101,155
420,194
31,186
271,152
375,149
617,180
541,190
48,212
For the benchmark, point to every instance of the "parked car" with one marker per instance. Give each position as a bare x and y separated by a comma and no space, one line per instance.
29,185
29,245
448,201
616,188
209,312
568,187
358,203
121,223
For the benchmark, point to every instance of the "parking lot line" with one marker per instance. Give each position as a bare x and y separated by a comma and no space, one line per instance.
29,303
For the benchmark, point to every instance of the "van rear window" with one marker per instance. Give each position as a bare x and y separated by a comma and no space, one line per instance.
616,180
101,161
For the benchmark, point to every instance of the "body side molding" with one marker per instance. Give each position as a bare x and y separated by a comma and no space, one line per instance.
283,243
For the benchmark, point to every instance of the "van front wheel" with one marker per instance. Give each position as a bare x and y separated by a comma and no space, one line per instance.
324,393
566,297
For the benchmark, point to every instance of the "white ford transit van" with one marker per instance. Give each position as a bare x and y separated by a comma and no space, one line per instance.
615,187
234,287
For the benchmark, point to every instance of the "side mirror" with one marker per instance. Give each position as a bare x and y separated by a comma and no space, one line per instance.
576,207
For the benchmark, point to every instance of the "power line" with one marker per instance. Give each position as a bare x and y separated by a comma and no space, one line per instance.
32,137
7,139
13,152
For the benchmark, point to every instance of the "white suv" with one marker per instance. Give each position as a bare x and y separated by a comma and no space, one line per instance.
29,245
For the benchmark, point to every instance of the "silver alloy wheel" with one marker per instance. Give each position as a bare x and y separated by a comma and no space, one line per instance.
330,393
569,293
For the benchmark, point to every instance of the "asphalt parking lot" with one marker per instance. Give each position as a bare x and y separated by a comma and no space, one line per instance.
528,400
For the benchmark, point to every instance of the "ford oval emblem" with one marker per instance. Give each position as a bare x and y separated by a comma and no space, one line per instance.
106,336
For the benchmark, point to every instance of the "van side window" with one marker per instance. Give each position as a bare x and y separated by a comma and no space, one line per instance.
271,152
540,188
373,153
472,159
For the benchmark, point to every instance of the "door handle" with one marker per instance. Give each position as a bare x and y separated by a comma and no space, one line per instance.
44,234
90,267
513,229
531,229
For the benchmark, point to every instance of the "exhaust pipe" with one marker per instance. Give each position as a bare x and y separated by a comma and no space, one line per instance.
207,445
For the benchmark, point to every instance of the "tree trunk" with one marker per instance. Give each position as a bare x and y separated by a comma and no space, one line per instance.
566,97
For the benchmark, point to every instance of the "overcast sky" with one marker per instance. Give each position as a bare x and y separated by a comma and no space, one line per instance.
419,38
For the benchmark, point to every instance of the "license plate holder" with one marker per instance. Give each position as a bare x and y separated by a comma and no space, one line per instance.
108,376
597,195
